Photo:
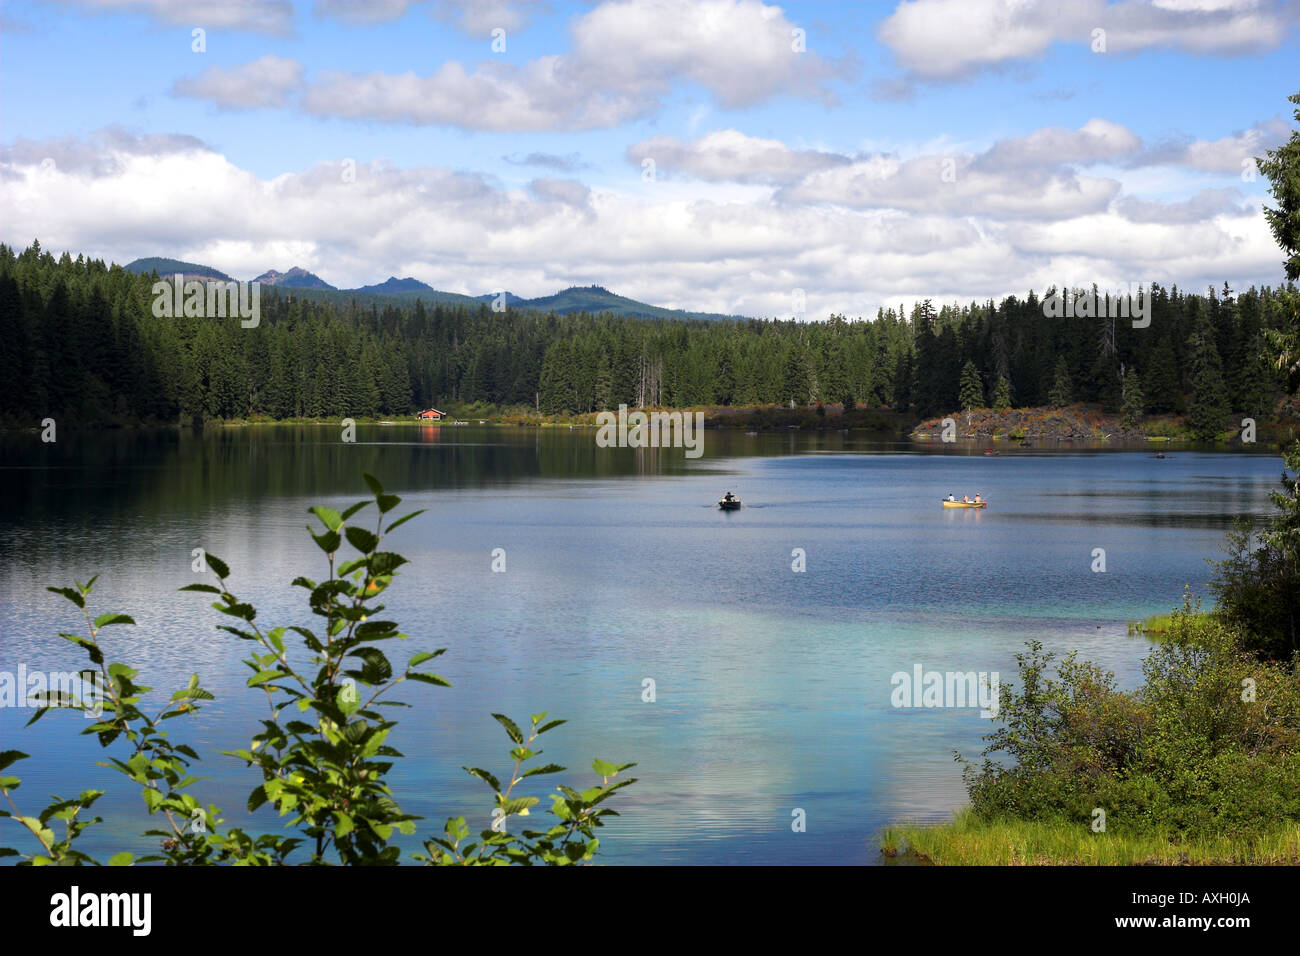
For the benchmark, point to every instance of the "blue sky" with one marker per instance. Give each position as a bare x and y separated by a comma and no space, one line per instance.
774,169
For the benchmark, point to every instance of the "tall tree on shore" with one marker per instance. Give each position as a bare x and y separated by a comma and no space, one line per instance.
1209,408
1062,392
1134,402
972,390
1002,396
1282,167
1164,382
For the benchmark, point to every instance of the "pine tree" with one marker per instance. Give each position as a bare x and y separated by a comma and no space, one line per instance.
1131,413
971,389
1209,409
1258,381
1002,396
1164,383
1282,167
1062,393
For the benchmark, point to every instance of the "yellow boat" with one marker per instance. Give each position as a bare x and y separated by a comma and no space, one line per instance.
964,504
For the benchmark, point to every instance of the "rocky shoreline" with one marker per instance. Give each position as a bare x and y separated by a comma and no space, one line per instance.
1073,423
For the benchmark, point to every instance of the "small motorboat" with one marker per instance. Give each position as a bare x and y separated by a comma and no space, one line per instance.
964,504
729,502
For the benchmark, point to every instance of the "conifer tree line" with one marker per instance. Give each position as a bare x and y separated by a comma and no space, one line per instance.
81,343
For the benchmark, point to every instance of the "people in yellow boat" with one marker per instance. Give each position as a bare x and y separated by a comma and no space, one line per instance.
978,499
966,498
951,497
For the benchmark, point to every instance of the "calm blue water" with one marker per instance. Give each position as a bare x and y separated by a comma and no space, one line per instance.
773,687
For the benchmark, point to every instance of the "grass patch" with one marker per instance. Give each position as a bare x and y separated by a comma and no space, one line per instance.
1155,626
968,841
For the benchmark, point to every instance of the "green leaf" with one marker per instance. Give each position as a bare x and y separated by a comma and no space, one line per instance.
549,768
348,699
430,679
8,757
245,612
208,588
417,659
73,596
551,726
603,768
353,509
121,859
92,649
518,805
44,835
328,542
510,727
484,776
373,482
361,539
387,503
385,562
104,620
405,518
330,518
261,677
217,565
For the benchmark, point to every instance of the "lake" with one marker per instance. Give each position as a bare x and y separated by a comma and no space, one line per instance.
772,686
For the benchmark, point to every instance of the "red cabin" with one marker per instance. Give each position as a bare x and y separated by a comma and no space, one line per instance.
431,415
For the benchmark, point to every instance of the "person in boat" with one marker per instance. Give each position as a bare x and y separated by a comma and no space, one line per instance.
951,497
966,499
978,499
728,497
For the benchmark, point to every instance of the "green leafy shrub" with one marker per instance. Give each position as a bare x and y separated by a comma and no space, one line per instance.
1208,745
321,755
1258,583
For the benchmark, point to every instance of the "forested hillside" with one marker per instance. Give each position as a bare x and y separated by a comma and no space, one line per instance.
81,344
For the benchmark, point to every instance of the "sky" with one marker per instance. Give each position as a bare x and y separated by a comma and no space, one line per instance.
732,156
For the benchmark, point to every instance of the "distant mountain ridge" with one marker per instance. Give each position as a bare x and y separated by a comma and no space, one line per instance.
295,278
395,286
593,298
169,267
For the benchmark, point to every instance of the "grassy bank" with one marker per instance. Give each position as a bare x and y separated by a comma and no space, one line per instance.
968,841
748,417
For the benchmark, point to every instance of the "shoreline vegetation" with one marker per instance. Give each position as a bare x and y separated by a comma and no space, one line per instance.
1037,427
968,841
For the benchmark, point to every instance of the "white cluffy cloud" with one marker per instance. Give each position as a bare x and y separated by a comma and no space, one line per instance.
948,39
854,235
263,16
731,156
1033,177
266,82
625,58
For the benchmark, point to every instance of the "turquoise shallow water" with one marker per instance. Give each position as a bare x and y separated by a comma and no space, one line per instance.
772,687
